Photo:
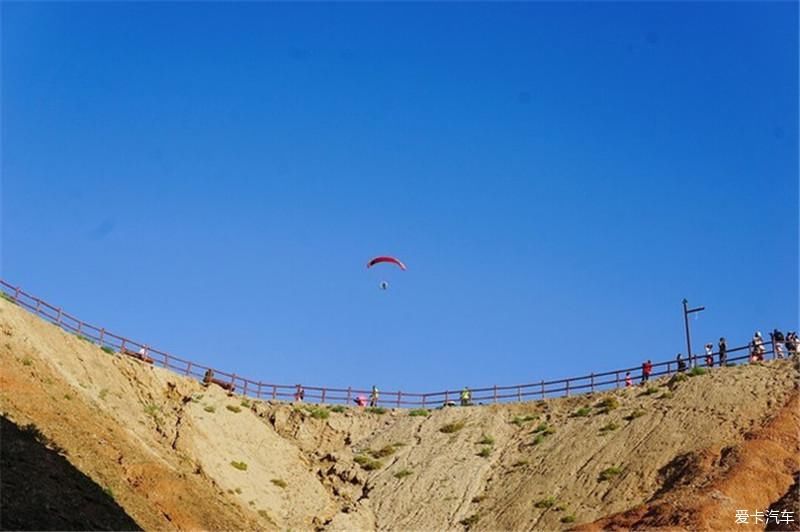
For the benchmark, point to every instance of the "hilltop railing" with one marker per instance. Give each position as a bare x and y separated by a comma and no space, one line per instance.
117,344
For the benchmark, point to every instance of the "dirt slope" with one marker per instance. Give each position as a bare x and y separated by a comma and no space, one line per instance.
177,455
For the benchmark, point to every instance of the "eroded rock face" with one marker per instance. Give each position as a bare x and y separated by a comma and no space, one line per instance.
178,455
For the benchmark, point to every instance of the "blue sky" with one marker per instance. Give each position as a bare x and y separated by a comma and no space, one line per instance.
212,178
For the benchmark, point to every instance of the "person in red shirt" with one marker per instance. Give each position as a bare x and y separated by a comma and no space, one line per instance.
647,369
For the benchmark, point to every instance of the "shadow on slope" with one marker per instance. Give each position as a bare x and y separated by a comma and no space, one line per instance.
41,490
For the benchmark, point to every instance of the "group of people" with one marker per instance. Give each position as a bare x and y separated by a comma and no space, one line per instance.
779,341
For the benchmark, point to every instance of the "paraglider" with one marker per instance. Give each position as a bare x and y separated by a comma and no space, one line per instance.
386,260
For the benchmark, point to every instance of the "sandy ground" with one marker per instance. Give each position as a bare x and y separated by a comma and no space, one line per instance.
178,455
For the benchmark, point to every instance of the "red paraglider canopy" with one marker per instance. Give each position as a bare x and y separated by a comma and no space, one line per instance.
393,260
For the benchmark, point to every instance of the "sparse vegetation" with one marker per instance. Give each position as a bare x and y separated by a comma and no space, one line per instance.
697,370
546,503
609,473
521,420
68,397
241,466
420,412
403,473
471,520
650,390
8,298
609,427
383,452
319,412
568,519
485,452
367,463
108,491
245,403
109,350
666,395
233,408
678,377
478,498
103,393
486,440
152,409
27,361
210,409
238,491
84,338
538,439
607,405
338,409
582,412
450,428
376,410
633,415
279,482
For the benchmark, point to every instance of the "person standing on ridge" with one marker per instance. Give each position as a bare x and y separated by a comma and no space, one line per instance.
757,348
681,363
710,355
723,352
373,396
777,343
466,397
647,369
628,380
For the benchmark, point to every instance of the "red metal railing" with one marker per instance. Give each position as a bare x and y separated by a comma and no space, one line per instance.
262,390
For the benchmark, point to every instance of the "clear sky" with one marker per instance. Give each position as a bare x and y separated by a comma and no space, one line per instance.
212,179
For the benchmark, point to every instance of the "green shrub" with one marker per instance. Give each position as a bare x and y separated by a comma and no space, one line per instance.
450,428
666,395
520,420
609,473
8,298
109,350
376,410
238,491
609,427
486,440
679,377
545,503
419,412
152,409
383,452
241,466
538,439
568,519
27,361
607,405
633,415
367,463
403,473
485,452
471,520
108,491
582,412
338,409
319,413
233,408
245,403
210,409
697,370
650,390
103,393
84,338
279,482
68,397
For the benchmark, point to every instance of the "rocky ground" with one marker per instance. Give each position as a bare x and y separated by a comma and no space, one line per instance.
170,453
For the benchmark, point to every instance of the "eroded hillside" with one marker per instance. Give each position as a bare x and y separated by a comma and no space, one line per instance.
177,455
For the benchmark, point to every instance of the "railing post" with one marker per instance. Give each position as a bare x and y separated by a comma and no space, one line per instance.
102,335
424,396
244,391
567,387
122,345
669,370
188,368
323,396
399,394
494,393
38,305
592,382
80,326
166,358
258,390
59,316
446,397
16,293
542,388
349,393
616,385
274,391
